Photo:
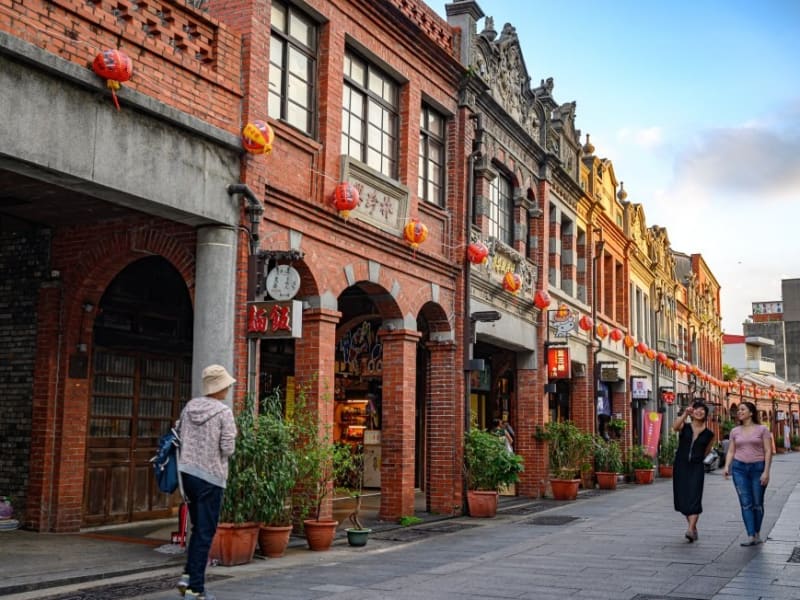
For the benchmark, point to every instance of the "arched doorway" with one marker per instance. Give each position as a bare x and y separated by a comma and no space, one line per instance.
140,379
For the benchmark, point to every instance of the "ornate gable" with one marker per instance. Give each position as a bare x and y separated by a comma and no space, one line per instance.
499,62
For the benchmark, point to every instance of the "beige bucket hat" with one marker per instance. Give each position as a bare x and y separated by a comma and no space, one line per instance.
215,379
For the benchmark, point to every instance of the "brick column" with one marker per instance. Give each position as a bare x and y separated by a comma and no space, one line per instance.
531,407
397,432
445,430
314,371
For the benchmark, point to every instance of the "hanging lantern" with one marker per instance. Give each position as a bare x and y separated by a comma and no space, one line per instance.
602,330
585,323
670,363
681,368
415,233
115,67
257,137
477,252
345,199
628,341
562,313
541,299
650,353
641,347
615,334
512,282
661,357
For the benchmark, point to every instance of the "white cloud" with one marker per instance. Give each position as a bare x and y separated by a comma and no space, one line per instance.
648,137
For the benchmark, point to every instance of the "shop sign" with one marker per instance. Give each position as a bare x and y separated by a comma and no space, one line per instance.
558,363
275,319
652,432
780,415
640,387
563,321
609,372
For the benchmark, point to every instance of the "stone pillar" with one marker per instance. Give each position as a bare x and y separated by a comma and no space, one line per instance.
445,431
214,303
315,355
398,430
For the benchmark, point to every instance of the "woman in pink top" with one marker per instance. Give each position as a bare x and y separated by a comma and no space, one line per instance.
748,459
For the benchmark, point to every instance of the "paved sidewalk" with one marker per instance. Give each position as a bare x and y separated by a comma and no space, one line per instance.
621,545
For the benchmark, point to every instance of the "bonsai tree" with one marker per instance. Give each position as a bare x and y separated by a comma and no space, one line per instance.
640,459
567,448
349,467
488,464
667,449
607,455
277,463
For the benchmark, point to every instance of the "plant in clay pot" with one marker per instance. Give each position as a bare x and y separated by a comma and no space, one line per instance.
666,454
567,449
488,466
278,466
642,463
607,461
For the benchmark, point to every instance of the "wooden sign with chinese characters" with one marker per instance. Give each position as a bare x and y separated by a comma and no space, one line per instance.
558,363
275,319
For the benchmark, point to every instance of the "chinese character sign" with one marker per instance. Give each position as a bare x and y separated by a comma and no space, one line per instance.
652,432
275,319
558,363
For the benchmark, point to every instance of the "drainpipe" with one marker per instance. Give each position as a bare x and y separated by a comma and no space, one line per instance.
254,208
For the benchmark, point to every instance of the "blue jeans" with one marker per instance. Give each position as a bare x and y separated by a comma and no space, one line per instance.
205,501
747,479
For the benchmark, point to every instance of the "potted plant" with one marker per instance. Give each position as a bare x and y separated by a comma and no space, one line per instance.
643,466
666,454
567,448
488,466
616,427
278,471
607,461
237,532
349,461
316,474
795,442
779,447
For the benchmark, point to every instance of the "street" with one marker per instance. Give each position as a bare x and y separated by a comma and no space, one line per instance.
616,545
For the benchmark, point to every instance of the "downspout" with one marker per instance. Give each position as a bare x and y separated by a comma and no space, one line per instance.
255,210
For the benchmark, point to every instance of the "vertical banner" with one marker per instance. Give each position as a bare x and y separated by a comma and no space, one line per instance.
652,432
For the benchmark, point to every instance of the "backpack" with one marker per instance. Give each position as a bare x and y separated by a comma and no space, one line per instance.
165,462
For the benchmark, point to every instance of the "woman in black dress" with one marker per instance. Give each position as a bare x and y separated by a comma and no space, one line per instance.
694,442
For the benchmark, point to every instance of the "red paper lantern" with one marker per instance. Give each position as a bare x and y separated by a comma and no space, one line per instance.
661,357
681,368
670,363
415,232
345,199
115,67
615,334
641,347
541,299
585,323
512,282
477,252
650,353
602,330
257,137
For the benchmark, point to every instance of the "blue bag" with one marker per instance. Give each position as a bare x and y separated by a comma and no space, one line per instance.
165,462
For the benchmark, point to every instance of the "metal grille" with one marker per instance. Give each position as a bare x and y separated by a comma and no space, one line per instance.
551,520
795,557
131,589
415,533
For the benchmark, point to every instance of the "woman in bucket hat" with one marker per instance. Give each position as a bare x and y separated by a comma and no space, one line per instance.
208,438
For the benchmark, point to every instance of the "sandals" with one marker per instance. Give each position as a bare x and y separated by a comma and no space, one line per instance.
691,536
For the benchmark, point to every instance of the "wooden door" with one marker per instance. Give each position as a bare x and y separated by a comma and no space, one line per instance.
136,398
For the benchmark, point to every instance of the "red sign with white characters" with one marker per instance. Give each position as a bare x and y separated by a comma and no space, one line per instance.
558,363
275,319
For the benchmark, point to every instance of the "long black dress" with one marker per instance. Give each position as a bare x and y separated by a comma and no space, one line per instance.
688,472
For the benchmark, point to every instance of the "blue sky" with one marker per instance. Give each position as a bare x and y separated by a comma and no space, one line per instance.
697,104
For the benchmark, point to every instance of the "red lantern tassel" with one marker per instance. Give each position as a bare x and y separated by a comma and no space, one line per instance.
113,86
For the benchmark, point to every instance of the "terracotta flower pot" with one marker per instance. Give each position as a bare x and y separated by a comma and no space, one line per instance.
644,476
274,540
234,543
320,534
482,503
665,471
606,480
565,489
